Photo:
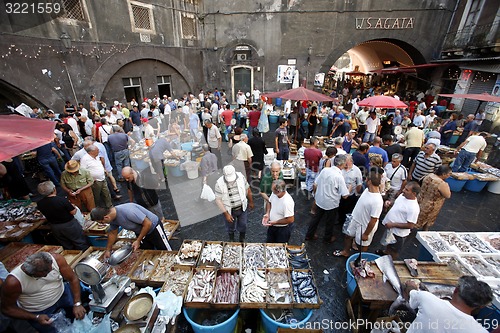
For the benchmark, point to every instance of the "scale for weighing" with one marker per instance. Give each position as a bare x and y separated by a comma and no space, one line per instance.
105,295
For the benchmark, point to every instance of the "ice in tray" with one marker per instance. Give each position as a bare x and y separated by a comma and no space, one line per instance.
476,243
493,240
436,243
455,263
493,259
480,266
456,242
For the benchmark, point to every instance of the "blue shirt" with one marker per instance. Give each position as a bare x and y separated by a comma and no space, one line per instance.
378,151
360,160
136,117
131,216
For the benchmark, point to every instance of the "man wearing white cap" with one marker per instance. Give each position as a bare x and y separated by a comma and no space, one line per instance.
233,196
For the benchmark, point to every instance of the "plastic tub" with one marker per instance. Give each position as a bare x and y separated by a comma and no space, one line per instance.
351,281
455,184
175,171
187,146
279,101
475,185
271,326
98,241
273,119
494,187
225,327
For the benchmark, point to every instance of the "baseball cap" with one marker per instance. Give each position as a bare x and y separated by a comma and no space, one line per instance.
229,173
144,120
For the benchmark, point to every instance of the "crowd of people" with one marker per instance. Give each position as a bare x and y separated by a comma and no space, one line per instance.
379,165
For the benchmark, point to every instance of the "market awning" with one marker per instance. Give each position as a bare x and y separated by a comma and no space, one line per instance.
20,134
407,69
300,94
381,101
485,97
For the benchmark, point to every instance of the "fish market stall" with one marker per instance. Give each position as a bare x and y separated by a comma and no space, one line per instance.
18,219
469,253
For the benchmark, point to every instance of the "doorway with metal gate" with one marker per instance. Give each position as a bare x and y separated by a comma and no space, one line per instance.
241,79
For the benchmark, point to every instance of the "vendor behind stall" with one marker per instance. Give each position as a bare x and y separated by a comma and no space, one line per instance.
35,290
146,225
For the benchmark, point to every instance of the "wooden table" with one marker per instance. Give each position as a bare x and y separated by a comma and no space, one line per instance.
379,295
23,231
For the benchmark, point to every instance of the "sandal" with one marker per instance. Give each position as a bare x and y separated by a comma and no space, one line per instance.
338,253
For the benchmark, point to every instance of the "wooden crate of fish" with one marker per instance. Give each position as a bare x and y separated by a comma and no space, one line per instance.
227,289
254,256
200,288
170,227
94,252
57,249
125,267
144,266
98,228
276,255
279,292
253,289
18,257
297,257
305,291
164,262
10,249
211,254
71,255
231,255
20,211
177,280
189,252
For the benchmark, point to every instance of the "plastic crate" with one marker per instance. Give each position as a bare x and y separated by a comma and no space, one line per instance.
455,184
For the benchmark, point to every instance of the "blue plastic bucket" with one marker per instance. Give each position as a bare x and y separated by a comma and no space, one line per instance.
187,146
98,241
474,185
175,171
271,326
279,101
351,281
455,184
273,119
225,327
453,140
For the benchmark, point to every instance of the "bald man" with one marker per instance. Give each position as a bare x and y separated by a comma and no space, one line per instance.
141,193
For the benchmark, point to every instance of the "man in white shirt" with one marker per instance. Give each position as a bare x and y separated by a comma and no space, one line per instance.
214,140
279,215
429,119
354,182
419,119
92,163
402,217
397,174
256,95
363,224
74,125
328,187
372,125
110,118
242,154
436,315
468,151
422,106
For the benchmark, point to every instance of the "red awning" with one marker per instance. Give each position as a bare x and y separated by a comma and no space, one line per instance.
300,94
20,134
381,101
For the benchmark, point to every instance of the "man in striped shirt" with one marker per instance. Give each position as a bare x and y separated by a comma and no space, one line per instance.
426,162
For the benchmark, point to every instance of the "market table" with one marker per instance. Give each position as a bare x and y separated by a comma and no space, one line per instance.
379,295
19,234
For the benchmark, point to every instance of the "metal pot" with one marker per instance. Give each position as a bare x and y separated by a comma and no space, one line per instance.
128,329
91,271
138,306
120,255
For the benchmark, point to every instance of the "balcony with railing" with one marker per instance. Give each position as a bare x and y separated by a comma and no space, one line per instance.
474,37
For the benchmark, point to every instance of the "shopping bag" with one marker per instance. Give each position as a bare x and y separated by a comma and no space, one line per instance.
79,216
347,223
207,193
387,238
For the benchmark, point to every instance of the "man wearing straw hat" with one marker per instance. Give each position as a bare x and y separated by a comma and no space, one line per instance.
77,183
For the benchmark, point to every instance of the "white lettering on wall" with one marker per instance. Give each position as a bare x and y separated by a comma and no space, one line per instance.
384,23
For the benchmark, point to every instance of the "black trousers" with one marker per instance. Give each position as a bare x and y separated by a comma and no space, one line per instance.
156,240
331,218
409,156
279,234
346,207
70,235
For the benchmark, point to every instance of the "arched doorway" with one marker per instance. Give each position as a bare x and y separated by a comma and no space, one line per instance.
241,79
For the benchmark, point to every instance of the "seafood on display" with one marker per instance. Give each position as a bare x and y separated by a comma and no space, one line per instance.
176,281
188,253
276,257
298,258
456,264
494,261
127,234
143,270
165,262
201,286
231,257
279,291
211,254
476,243
125,267
436,243
492,240
253,286
21,255
480,266
453,240
17,211
304,290
96,254
254,256
227,288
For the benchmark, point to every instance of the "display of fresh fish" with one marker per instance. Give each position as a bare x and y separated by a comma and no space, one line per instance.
476,243
304,289
386,266
298,258
276,257
188,253
176,281
227,288
253,286
211,254
201,286
443,291
254,256
279,287
165,262
231,257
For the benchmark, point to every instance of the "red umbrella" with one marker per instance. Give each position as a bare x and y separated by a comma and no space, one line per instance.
485,97
20,134
300,94
382,101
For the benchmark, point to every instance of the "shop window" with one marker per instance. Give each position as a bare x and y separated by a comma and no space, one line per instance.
188,26
141,17
132,88
73,9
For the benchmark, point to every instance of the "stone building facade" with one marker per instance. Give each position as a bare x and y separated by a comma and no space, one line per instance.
117,49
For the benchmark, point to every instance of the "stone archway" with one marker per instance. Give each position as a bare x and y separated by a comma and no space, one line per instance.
107,69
